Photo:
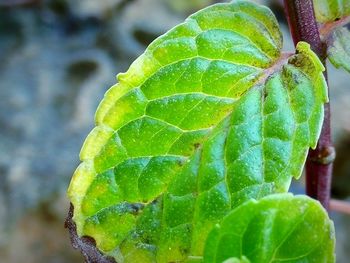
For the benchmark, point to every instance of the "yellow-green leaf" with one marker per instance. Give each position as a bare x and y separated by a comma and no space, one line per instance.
210,116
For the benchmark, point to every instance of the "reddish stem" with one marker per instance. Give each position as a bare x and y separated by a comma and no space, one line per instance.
319,163
327,28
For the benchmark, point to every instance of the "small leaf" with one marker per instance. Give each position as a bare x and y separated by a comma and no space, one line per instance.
333,14
277,228
331,10
339,48
211,115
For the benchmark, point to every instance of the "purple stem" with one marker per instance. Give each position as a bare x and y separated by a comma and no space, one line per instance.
319,163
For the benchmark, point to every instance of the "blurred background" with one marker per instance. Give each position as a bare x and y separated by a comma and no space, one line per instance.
57,58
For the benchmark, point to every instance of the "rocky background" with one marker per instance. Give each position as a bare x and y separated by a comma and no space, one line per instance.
57,58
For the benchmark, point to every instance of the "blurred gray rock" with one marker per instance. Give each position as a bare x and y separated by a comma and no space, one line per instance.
88,8
50,84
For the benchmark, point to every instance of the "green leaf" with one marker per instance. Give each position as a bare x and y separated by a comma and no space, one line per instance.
339,48
331,10
277,228
211,115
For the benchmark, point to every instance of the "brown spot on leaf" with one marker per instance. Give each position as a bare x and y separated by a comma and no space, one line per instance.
135,208
197,145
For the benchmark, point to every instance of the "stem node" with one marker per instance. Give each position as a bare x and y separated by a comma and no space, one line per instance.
325,156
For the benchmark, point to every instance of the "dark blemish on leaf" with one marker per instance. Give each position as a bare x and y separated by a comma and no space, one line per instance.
296,61
181,162
197,145
146,240
85,244
184,251
135,208
265,94
155,201
296,79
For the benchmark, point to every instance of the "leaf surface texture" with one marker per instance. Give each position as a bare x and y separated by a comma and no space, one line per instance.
210,116
277,228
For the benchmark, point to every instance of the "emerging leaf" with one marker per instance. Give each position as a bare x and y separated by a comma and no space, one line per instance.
277,228
339,48
211,115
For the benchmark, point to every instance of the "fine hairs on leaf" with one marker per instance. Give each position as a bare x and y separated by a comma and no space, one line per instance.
195,147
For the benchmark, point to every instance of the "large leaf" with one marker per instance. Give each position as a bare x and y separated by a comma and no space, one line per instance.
211,115
331,10
277,228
